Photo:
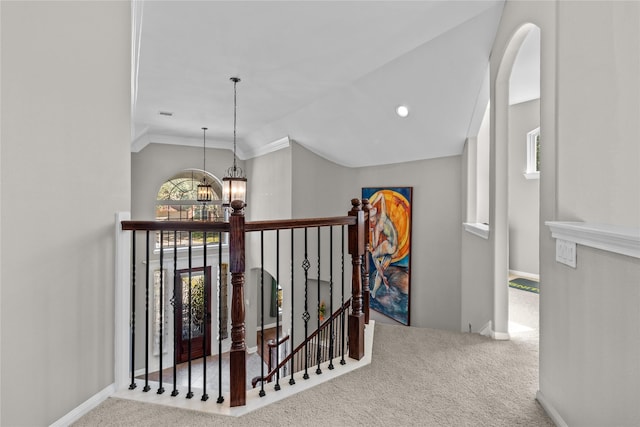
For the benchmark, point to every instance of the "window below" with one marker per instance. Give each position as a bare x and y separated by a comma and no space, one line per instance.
177,201
533,154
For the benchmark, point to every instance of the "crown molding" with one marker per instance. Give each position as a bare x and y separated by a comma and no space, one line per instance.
271,147
150,138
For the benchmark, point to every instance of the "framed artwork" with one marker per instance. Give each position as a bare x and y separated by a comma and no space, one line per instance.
390,250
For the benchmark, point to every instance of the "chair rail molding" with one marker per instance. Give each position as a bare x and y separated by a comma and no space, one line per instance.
607,237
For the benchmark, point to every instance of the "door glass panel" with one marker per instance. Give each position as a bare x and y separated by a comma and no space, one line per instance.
195,306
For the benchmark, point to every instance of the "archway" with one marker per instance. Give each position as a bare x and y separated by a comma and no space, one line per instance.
499,181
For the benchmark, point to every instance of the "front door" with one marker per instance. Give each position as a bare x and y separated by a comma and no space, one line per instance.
193,314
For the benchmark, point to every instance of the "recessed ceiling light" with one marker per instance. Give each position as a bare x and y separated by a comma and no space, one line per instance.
166,113
402,111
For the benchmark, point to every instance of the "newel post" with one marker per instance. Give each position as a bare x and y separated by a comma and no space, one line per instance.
237,356
356,249
365,262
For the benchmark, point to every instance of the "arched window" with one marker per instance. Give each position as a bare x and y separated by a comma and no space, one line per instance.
176,201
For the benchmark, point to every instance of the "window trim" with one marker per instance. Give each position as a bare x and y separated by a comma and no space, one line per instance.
532,171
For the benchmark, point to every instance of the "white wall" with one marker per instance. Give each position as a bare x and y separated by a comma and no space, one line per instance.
65,172
524,194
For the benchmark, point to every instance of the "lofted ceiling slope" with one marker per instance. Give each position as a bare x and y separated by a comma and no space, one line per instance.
326,74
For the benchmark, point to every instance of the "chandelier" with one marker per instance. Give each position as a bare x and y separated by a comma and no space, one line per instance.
204,191
234,184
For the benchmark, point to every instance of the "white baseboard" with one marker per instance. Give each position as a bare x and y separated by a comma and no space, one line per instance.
75,414
501,336
550,410
525,275
487,331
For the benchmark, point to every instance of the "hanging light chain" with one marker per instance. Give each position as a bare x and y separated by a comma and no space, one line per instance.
235,81
204,151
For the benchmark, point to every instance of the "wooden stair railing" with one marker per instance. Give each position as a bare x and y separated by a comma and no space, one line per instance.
357,223
326,324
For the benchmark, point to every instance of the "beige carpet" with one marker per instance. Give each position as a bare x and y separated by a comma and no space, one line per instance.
417,376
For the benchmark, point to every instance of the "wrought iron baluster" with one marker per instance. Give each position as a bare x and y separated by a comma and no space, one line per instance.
306,316
262,393
331,298
342,310
146,322
189,392
318,350
205,310
220,397
160,387
277,386
292,381
133,310
175,313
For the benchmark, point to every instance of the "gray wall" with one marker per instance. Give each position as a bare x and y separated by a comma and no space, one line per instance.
156,163
269,197
269,192
524,194
589,340
320,188
590,343
66,132
319,185
436,248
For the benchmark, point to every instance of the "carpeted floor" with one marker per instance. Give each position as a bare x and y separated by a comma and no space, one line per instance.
418,376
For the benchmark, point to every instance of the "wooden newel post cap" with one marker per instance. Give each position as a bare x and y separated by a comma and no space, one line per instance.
237,206
355,204
365,205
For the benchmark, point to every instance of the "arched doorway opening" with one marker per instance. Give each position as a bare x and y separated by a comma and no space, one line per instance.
501,141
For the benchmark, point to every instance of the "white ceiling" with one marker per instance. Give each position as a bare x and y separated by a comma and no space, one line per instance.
326,74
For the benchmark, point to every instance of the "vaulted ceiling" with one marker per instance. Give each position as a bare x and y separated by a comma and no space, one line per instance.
327,74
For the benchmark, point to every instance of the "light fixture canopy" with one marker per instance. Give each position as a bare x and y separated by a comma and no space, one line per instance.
204,191
234,184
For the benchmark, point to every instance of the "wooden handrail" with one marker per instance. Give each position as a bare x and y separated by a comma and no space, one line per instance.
214,226
287,224
286,360
271,344
209,226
